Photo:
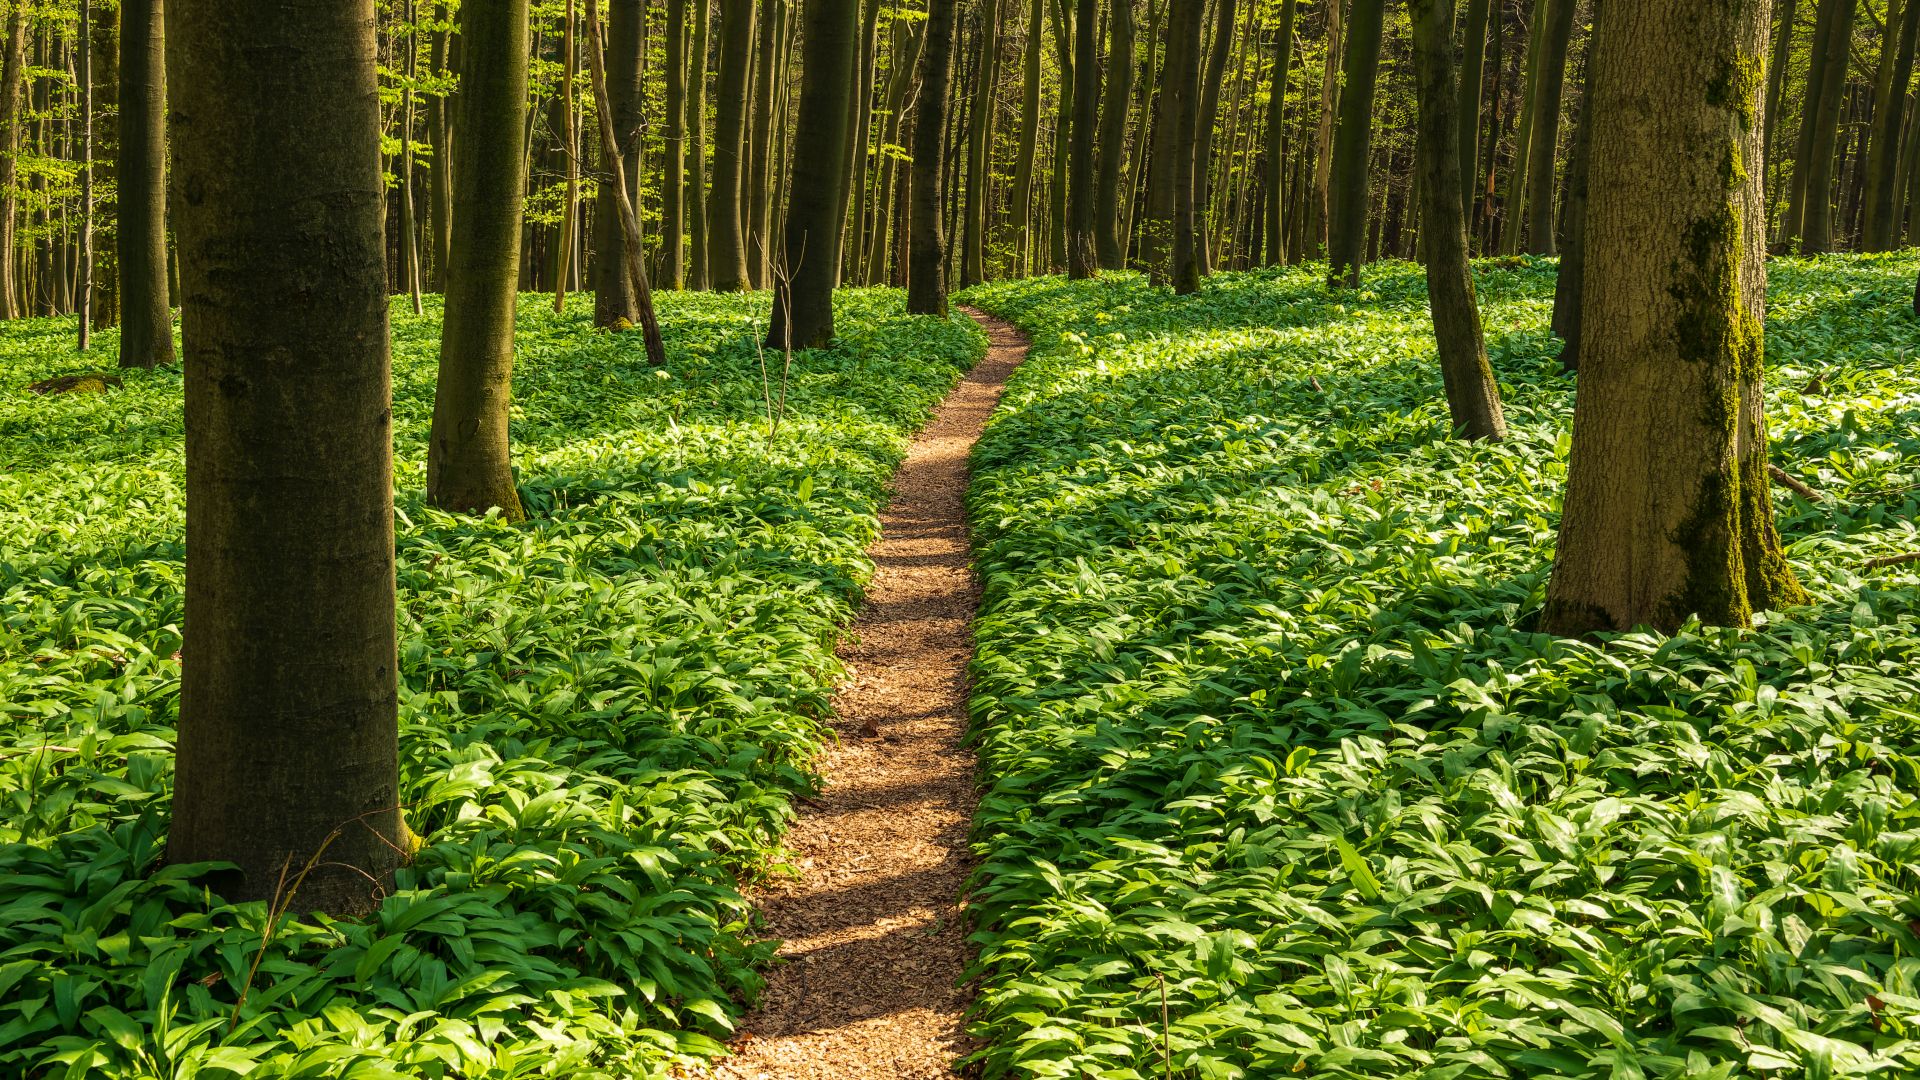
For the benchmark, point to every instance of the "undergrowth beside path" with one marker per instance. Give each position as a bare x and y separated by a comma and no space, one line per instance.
605,713
1273,754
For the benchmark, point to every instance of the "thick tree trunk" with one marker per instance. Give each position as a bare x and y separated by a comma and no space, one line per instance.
726,242
468,465
673,233
1544,148
1276,178
1882,224
1082,254
614,302
973,253
803,311
1183,86
1473,395
146,338
1668,512
1109,242
1353,145
927,243
286,765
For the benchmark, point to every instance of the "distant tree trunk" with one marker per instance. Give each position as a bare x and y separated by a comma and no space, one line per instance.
1545,146
853,212
439,176
618,183
695,146
1019,235
11,73
1353,145
409,235
973,254
726,247
1570,284
570,140
1206,117
1473,67
1320,202
673,234
902,63
1142,126
1473,395
1882,225
759,180
1784,13
1668,512
1183,85
1156,245
927,243
614,302
146,338
1082,257
83,289
1062,135
1276,177
804,312
289,704
468,465
1816,223
1109,243
102,153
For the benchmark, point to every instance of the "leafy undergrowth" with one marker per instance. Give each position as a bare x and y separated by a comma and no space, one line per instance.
1273,753
605,712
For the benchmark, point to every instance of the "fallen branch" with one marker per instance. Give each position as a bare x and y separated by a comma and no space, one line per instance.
1780,477
1893,560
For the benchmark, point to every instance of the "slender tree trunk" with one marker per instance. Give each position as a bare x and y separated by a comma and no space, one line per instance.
83,290
1109,241
570,136
104,303
439,176
1320,202
673,235
288,729
1276,175
615,304
1544,147
1062,135
11,75
853,211
927,250
1668,512
1205,119
1353,145
803,312
1082,258
1816,224
696,147
1882,225
973,257
1473,67
726,249
1570,284
1785,11
469,469
1019,236
1473,396
146,338
1513,213
903,60
409,234
1142,127
1156,245
1183,85
629,223
759,181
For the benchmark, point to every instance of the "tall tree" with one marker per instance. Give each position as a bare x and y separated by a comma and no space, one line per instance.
287,759
803,311
1513,211
1570,282
1353,145
1473,395
629,223
1082,257
1156,242
12,69
1183,84
146,336
469,469
439,138
1020,220
1545,147
1205,120
1109,241
1883,150
1810,210
614,302
1783,13
696,139
1276,174
927,255
673,236
766,76
83,289
973,243
726,207
1473,65
1320,201
1667,511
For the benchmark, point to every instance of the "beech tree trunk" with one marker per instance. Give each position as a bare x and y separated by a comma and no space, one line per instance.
1183,86
1570,283
1157,241
1276,177
614,303
1668,512
288,702
12,69
146,336
803,312
1019,232
1473,67
927,238
673,234
1816,193
760,145
726,238
626,219
1545,146
1082,256
1320,202
696,141
1109,242
1353,145
973,253
1473,395
468,465
1883,154
1205,119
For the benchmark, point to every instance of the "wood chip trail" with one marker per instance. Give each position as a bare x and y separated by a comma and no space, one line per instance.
874,940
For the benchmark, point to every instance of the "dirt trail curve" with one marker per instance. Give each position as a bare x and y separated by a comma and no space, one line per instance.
874,939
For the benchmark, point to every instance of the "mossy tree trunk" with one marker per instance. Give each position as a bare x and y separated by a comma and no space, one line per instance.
726,236
469,469
1668,512
803,311
614,302
926,234
146,337
289,702
1276,179
1353,145
1082,255
1473,395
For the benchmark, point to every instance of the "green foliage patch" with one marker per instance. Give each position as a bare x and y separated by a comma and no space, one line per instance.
605,712
1281,780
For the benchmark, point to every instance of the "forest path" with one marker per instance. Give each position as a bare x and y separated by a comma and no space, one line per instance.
874,942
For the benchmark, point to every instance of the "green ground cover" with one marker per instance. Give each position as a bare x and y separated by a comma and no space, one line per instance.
605,712
1274,755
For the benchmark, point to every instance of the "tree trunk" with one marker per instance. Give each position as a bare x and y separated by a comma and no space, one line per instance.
1353,145
1156,245
1183,86
1883,155
927,244
1785,12
1205,119
83,289
146,338
726,247
696,144
1514,209
468,465
759,180
1142,126
570,139
286,765
629,222
1320,202
673,234
973,254
1817,221
1109,243
614,303
1062,135
853,210
1570,284
1473,67
1082,256
439,176
1020,235
1545,145
1473,396
102,154
11,74
1276,175
803,311
1668,512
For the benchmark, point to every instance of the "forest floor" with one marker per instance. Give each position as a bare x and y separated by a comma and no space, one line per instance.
868,981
